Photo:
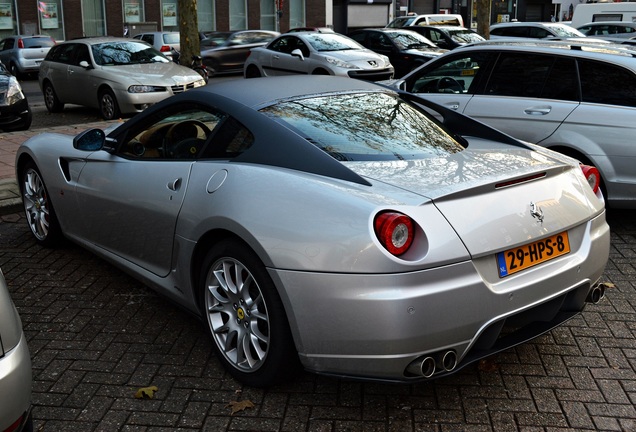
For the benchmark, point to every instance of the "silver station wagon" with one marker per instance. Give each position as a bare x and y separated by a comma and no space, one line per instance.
575,98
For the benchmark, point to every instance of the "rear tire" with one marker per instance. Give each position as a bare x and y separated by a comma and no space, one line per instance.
38,207
108,106
245,316
53,104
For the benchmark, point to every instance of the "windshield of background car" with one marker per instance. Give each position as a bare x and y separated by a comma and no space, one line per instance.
331,42
565,31
465,36
38,42
408,40
401,22
125,53
366,127
171,38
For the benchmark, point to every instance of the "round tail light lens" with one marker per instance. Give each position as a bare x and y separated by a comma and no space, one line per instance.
592,176
394,231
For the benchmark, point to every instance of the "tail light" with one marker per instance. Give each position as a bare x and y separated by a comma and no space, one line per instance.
592,176
395,231
20,43
165,48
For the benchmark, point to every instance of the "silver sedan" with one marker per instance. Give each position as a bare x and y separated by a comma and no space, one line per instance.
329,223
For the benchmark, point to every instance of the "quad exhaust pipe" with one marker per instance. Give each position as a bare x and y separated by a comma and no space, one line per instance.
427,366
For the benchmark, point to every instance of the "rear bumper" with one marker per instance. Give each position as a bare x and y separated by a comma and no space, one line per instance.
379,326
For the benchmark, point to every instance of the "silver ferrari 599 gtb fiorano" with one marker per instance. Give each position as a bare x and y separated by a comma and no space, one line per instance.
329,223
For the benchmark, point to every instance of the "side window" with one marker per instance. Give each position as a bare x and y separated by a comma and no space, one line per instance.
520,75
459,75
81,54
605,83
63,53
180,134
562,82
148,38
230,140
285,45
435,35
538,33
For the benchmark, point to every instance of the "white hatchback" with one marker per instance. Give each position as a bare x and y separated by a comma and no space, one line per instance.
315,53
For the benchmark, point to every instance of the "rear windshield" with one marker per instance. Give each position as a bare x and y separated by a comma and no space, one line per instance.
366,127
38,42
171,38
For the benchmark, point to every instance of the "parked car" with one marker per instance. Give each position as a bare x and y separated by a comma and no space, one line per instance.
299,215
23,54
116,75
405,49
426,19
224,52
576,98
317,54
534,30
164,41
609,30
15,112
15,368
447,37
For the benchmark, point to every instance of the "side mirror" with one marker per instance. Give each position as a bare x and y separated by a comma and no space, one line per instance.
85,64
298,53
90,140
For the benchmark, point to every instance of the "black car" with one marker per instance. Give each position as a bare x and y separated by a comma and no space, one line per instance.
225,52
15,113
447,37
405,49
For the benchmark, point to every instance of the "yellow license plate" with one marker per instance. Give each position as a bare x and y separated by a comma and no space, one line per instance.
523,257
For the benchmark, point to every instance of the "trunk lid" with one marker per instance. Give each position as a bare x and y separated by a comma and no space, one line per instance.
472,191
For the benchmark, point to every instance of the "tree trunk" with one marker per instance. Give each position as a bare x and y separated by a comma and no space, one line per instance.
483,18
189,31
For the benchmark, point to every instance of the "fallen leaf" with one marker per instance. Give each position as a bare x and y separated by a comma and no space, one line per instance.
146,392
240,406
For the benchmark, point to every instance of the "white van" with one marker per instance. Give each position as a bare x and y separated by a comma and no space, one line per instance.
427,19
591,12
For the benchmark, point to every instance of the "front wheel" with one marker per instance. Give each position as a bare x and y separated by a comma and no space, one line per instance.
108,106
245,317
38,207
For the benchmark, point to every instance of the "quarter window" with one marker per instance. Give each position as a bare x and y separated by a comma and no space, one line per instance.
603,83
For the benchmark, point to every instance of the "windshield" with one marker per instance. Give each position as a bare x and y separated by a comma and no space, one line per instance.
331,42
366,127
565,31
408,40
401,22
465,36
126,53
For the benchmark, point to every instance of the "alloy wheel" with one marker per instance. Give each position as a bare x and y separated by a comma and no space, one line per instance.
237,314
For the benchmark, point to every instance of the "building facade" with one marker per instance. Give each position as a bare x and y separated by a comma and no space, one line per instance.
69,19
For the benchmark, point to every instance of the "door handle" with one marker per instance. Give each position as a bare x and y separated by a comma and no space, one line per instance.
453,105
538,110
174,185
